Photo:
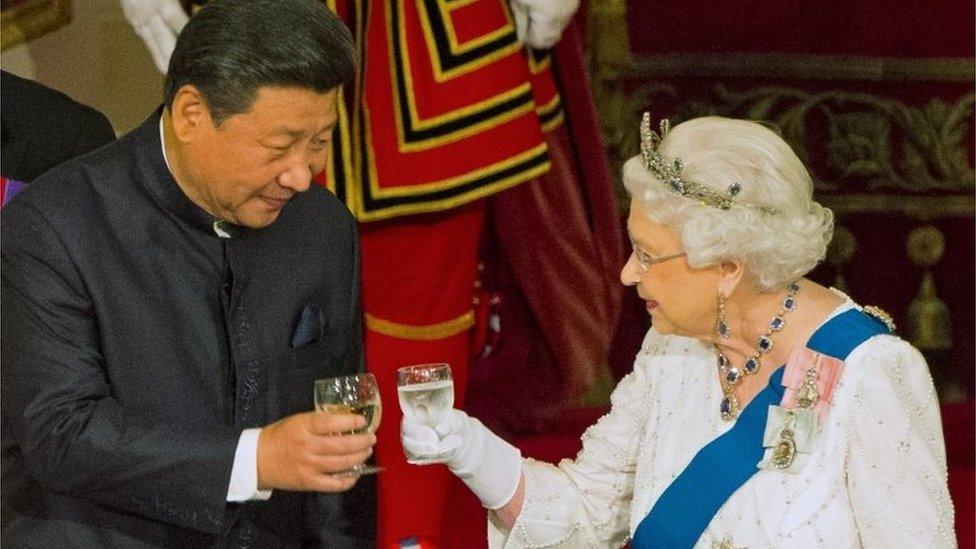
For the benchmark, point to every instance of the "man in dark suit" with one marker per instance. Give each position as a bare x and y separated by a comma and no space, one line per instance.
169,300
41,128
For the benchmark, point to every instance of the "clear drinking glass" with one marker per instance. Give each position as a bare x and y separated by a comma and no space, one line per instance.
426,394
357,394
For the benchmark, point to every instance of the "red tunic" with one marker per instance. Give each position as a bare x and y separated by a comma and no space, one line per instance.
453,108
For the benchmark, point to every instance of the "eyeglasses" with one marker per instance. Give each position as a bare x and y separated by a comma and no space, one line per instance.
646,261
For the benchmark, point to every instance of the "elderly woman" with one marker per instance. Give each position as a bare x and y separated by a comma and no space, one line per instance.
764,410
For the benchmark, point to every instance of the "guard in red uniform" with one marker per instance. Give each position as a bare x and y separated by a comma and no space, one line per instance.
450,109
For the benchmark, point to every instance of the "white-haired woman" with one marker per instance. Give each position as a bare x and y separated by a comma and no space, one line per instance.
764,410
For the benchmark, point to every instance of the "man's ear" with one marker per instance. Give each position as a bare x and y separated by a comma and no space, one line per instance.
190,113
731,273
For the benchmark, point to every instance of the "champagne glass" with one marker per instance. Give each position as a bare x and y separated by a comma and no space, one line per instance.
356,394
426,394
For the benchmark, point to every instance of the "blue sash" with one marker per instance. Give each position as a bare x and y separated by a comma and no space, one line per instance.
687,506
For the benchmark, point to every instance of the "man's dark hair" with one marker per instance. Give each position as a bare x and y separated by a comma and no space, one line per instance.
232,48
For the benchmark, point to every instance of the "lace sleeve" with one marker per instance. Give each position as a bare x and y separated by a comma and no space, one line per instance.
586,502
896,465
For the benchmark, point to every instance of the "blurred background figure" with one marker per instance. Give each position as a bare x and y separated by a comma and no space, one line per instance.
42,128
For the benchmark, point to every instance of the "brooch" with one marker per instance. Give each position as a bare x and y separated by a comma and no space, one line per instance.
791,427
789,438
810,378
880,315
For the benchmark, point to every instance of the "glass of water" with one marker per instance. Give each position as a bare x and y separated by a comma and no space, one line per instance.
426,394
355,394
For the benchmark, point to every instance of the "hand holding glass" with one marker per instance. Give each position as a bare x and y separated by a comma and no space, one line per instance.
426,394
356,394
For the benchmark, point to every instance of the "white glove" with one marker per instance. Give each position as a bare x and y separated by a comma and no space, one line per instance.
157,22
540,23
491,467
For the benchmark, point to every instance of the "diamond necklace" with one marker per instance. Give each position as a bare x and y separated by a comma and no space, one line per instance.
731,376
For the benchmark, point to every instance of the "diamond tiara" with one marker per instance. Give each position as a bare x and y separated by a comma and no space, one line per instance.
669,173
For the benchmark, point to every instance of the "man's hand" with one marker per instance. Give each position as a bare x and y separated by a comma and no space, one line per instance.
540,23
300,452
158,23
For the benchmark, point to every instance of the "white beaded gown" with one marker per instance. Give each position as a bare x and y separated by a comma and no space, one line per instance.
876,476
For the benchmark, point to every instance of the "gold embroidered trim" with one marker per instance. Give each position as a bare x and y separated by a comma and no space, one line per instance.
457,48
554,123
429,332
405,73
458,180
440,205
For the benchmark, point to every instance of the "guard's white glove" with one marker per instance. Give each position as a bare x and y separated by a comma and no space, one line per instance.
491,467
540,23
158,23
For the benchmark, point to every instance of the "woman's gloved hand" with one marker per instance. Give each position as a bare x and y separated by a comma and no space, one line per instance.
489,466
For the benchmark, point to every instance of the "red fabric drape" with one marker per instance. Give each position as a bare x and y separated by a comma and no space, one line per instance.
874,28
553,260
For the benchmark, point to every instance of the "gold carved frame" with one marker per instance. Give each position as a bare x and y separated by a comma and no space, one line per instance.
23,20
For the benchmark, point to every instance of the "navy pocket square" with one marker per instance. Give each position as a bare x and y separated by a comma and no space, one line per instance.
310,327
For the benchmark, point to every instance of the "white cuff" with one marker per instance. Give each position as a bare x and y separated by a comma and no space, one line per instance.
244,475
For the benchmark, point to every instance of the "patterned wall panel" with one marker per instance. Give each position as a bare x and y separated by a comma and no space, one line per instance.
880,112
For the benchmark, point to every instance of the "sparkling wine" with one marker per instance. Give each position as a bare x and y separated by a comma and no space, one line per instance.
427,402
372,411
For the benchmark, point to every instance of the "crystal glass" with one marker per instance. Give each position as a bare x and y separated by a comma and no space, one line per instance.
426,394
357,394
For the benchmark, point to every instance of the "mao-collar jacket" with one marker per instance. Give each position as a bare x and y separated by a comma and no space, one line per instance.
137,344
